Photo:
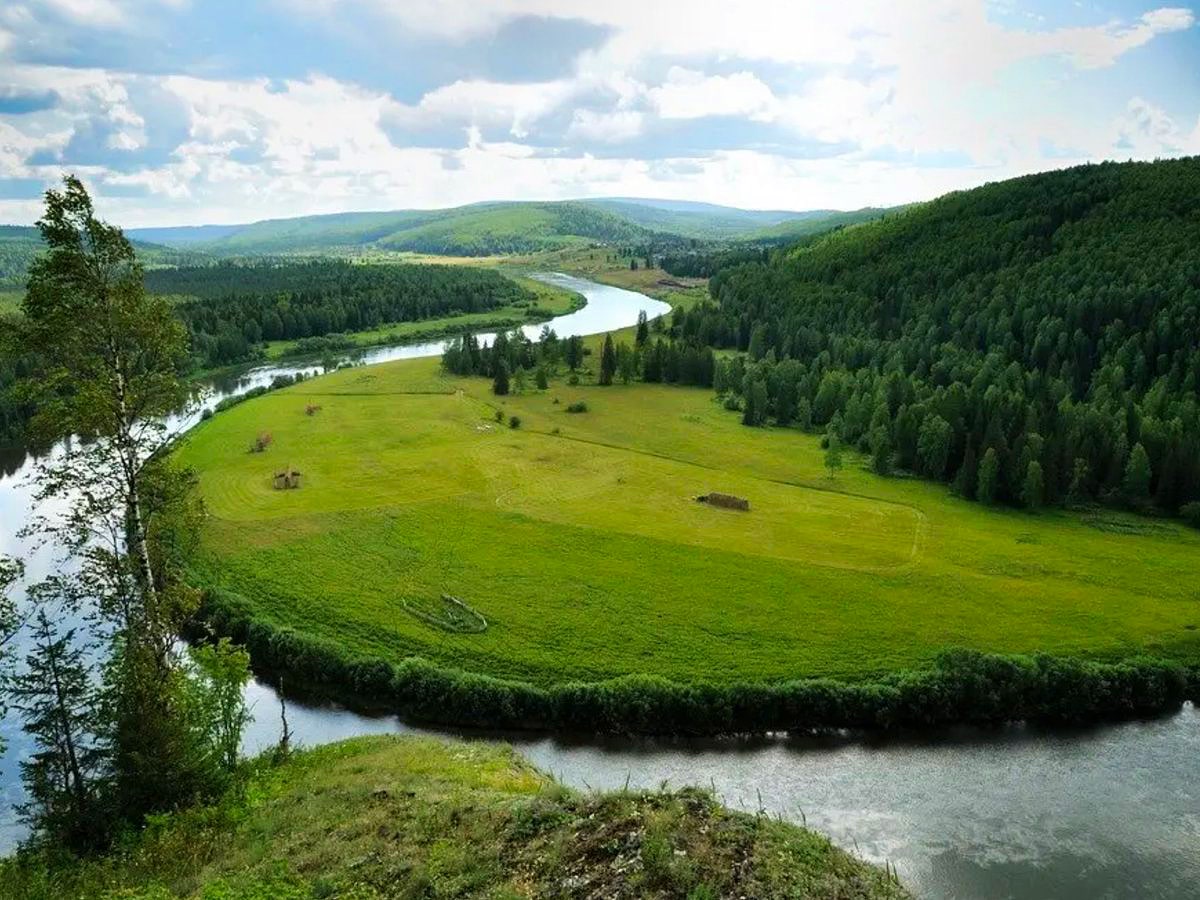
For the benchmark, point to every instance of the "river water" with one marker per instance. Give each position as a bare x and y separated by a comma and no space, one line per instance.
1019,812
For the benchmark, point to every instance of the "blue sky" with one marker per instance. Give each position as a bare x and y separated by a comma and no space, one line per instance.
195,111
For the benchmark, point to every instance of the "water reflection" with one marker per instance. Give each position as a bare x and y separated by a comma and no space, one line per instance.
1016,812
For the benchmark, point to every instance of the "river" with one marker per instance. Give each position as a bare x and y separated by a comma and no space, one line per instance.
1020,812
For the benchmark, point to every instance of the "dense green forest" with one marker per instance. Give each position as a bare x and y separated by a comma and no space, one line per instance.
230,309
1033,341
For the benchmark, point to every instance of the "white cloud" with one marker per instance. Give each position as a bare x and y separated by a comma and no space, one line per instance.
93,12
688,94
514,106
606,127
1145,130
935,80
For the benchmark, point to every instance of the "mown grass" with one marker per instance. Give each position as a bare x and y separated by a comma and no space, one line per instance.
578,539
407,817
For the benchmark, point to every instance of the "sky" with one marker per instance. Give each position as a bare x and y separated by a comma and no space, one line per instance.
219,111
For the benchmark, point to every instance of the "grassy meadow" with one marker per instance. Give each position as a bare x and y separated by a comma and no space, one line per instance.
578,539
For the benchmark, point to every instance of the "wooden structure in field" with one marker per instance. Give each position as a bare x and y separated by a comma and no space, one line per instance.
725,501
287,480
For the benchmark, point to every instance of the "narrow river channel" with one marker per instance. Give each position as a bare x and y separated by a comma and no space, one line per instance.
1019,812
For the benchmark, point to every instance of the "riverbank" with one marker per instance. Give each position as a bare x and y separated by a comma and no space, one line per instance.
399,817
961,688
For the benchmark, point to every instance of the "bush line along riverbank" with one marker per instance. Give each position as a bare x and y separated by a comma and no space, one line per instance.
963,687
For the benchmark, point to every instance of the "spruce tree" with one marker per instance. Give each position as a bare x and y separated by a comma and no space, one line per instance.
1136,483
608,361
1032,489
58,708
967,478
881,451
1081,475
833,451
989,477
643,329
500,381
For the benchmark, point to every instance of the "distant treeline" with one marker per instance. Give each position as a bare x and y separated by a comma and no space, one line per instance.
15,410
238,306
706,262
1032,341
961,687
655,359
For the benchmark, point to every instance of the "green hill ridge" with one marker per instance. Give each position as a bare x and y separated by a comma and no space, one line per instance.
493,228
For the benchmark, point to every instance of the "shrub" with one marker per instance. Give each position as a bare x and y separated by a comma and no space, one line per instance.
312,409
207,414
579,406
573,380
499,415
261,443
1191,513
514,422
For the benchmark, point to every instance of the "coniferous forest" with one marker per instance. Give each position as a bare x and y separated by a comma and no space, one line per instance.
1032,341
231,308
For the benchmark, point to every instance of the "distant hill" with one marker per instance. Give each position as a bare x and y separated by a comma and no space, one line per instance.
808,224
484,229
19,244
703,221
481,229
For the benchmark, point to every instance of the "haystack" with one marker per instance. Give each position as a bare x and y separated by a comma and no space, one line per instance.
286,480
725,501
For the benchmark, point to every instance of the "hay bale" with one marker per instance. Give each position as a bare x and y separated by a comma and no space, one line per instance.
286,480
725,501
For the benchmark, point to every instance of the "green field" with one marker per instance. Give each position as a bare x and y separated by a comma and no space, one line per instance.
578,540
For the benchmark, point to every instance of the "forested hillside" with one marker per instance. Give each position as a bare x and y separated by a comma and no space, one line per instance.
230,308
1035,340
19,245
